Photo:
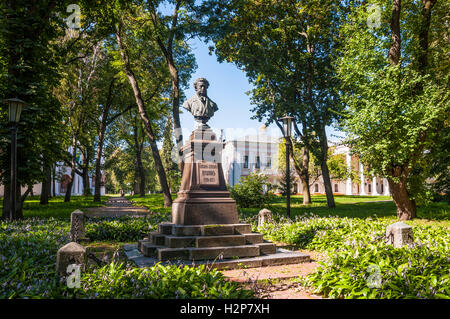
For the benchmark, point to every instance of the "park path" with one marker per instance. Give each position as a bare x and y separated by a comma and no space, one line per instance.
276,282
116,207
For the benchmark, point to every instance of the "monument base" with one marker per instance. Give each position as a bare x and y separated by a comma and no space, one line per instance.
221,246
203,198
204,211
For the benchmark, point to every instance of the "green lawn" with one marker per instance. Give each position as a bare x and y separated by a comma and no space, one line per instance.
346,206
57,207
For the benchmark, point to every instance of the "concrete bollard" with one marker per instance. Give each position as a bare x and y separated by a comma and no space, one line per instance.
72,253
264,216
399,234
77,226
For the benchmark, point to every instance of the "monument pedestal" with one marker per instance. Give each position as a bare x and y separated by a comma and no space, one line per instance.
205,225
203,197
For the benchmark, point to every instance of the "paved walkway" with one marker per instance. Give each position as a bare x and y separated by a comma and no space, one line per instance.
115,207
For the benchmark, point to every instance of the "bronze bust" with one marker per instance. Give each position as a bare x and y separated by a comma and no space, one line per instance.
200,105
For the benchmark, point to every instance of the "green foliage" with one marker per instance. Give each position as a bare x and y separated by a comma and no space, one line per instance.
283,183
122,229
252,191
28,257
396,113
352,245
27,268
159,282
29,32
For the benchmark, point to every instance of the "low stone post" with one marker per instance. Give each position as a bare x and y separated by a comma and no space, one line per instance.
264,216
77,226
72,253
399,234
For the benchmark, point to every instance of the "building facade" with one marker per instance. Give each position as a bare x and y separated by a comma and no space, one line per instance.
242,156
62,178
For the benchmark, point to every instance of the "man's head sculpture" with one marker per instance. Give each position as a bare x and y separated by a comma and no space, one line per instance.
200,106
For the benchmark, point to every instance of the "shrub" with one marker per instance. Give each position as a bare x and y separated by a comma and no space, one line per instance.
252,191
122,281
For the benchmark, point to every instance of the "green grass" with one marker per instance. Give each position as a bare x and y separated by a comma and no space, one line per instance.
346,206
56,207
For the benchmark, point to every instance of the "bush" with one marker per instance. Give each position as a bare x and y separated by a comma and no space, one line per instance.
252,191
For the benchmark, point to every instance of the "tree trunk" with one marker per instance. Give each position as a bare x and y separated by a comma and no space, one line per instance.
303,173
395,49
54,179
85,173
174,75
101,138
406,208
46,182
141,171
72,172
98,156
304,177
324,166
6,201
21,200
146,121
139,166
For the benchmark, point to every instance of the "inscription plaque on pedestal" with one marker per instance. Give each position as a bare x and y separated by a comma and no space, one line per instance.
208,173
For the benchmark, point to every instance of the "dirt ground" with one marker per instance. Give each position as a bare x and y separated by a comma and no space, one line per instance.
277,282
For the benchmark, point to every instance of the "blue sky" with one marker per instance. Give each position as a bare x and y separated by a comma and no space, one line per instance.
228,87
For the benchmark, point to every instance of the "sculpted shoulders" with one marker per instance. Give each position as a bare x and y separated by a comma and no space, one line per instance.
187,104
214,105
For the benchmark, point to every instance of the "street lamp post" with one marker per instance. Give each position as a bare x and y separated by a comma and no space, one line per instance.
14,110
287,128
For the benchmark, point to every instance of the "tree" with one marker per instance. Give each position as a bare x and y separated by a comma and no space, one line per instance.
301,160
174,28
125,56
171,167
297,41
395,88
28,32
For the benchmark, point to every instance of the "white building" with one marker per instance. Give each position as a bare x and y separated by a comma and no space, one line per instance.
62,178
259,153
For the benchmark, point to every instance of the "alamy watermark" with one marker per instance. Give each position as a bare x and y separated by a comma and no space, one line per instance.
74,278
374,279
73,21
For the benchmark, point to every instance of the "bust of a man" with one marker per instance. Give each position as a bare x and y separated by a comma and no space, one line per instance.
201,107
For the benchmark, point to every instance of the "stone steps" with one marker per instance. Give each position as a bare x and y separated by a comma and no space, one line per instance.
204,242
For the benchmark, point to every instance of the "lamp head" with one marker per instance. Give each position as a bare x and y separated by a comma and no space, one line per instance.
287,125
15,106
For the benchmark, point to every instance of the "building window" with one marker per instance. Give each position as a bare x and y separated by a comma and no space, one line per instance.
316,188
336,188
370,188
246,161
258,162
64,182
382,190
269,162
